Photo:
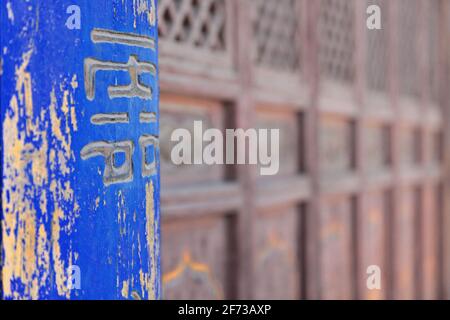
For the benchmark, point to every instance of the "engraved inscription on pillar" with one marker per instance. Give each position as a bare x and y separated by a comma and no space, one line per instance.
115,173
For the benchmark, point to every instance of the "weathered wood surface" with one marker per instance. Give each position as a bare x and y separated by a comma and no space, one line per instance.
79,142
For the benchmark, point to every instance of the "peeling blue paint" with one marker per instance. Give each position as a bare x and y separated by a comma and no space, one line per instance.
78,220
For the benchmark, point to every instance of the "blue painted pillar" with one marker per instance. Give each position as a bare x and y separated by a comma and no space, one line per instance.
79,142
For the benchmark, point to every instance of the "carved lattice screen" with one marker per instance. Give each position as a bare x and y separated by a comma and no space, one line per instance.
276,28
408,62
377,50
433,54
337,40
195,23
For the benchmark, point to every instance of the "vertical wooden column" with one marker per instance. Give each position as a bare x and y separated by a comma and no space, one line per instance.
422,51
395,149
79,142
246,174
445,102
312,70
361,207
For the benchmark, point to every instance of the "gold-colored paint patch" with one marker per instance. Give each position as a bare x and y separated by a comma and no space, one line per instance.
28,170
125,289
186,264
276,244
146,8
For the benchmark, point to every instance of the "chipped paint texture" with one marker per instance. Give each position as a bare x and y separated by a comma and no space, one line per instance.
37,195
144,9
56,211
152,243
10,11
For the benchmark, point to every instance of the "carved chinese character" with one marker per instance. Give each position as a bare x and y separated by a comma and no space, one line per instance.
146,143
113,173
134,67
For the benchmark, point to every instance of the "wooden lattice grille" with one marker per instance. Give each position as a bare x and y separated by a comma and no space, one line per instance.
276,26
195,23
377,50
337,39
408,33
434,33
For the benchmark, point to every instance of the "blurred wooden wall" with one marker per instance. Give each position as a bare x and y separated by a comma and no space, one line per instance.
364,125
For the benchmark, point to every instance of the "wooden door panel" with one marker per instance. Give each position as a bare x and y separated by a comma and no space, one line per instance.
377,148
430,233
335,234
180,113
410,147
290,128
336,148
372,242
196,259
406,244
434,151
276,258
